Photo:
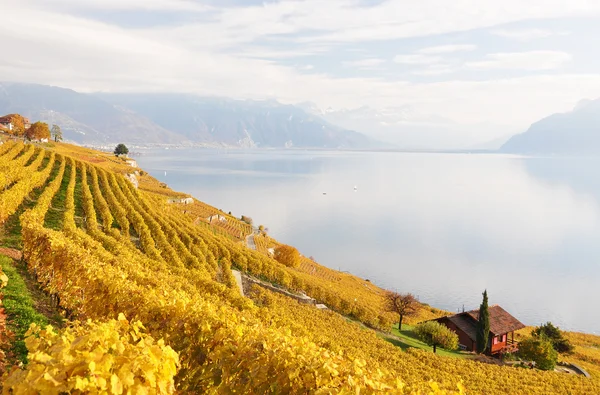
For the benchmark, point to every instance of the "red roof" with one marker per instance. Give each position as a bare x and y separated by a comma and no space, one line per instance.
501,321
8,118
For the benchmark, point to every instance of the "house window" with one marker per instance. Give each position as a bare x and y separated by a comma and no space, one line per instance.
501,338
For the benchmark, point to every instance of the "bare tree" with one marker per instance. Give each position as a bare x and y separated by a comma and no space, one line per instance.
405,305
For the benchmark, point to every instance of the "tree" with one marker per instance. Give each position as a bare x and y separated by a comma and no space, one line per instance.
56,133
436,334
121,149
246,219
405,305
555,336
287,255
539,350
483,325
38,131
18,125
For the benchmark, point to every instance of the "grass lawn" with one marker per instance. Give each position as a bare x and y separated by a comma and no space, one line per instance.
406,339
23,302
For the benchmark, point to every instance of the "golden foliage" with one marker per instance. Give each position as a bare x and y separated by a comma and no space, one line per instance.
287,255
37,131
114,357
18,124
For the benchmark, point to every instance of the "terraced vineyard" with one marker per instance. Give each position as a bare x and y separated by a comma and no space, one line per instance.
103,248
225,224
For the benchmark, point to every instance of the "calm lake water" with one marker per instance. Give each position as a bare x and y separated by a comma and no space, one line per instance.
442,226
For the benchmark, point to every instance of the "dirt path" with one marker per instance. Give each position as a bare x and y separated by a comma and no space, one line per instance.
250,241
11,253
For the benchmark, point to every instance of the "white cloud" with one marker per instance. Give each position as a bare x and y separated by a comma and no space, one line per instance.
526,34
364,64
343,21
436,69
531,60
416,59
442,49
165,5
257,52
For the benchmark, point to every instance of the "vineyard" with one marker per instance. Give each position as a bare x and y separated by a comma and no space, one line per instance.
124,257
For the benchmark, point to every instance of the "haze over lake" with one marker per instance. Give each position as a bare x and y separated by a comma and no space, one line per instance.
442,226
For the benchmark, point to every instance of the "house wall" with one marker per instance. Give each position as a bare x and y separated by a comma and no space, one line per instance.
497,345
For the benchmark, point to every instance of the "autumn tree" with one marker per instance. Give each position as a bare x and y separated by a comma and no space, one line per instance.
121,149
555,336
405,305
18,125
38,131
483,325
539,350
56,133
287,255
436,334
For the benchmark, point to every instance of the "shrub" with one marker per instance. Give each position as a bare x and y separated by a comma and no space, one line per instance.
555,336
540,350
436,334
287,255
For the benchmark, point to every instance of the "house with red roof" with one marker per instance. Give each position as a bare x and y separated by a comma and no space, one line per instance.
502,330
6,121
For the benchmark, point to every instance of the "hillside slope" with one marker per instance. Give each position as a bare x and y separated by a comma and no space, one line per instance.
572,133
103,248
83,118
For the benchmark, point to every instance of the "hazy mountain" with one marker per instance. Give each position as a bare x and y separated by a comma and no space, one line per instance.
174,119
245,123
574,132
84,118
405,128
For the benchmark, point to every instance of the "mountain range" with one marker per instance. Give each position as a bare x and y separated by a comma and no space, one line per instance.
572,133
185,119
100,119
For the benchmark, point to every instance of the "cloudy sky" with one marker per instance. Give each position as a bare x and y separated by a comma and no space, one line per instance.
503,62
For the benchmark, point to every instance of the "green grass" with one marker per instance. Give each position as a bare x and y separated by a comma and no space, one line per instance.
78,197
54,216
20,308
407,338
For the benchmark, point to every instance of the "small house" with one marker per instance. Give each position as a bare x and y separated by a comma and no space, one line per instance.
6,122
217,217
187,200
502,330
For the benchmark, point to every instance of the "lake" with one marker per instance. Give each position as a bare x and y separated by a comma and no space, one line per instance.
442,226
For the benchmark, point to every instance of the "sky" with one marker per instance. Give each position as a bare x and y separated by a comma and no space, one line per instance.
486,62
